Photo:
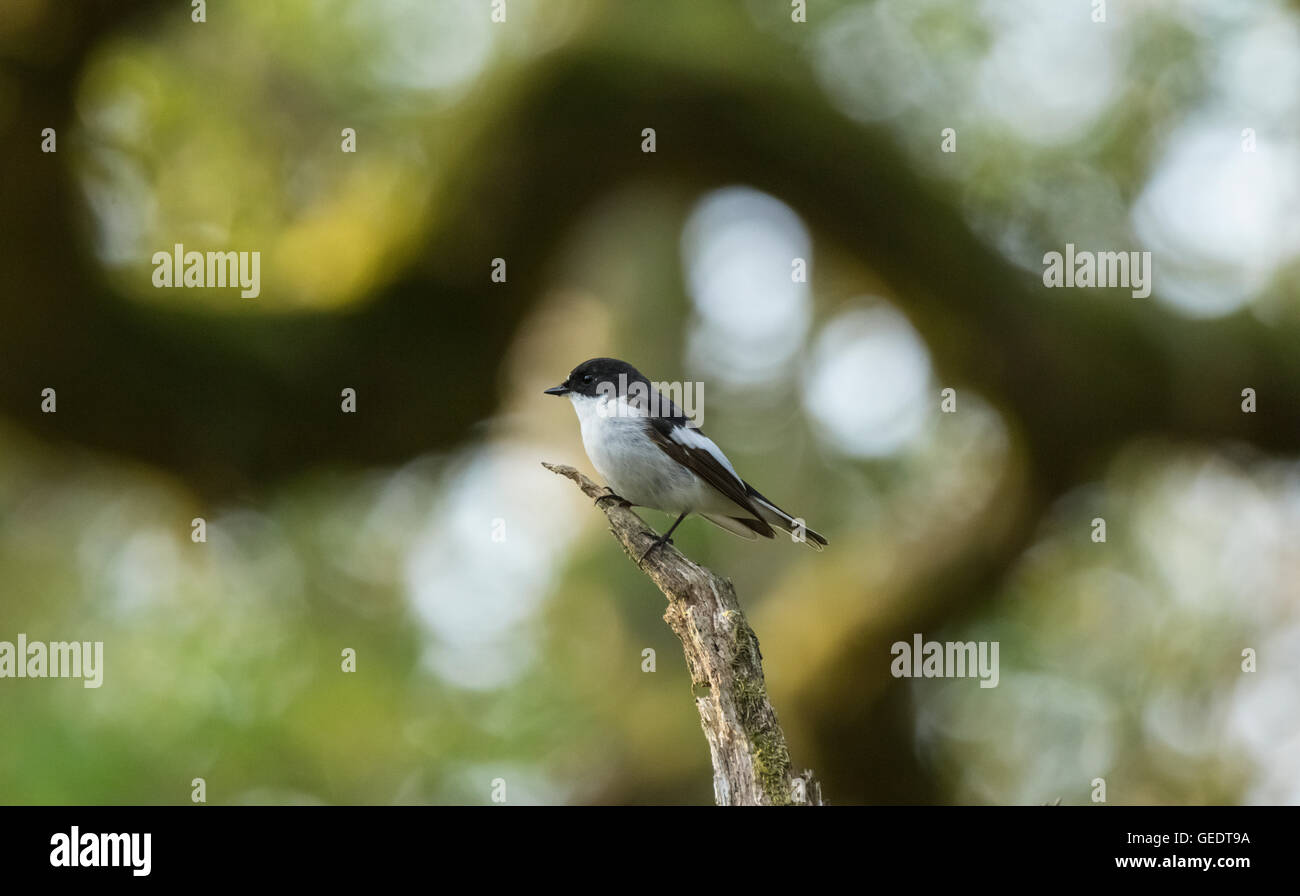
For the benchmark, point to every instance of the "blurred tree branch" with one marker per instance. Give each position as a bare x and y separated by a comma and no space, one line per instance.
751,763
230,402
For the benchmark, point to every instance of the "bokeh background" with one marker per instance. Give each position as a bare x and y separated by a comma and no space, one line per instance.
521,658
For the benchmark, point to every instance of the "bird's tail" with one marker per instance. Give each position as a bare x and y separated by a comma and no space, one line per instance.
777,517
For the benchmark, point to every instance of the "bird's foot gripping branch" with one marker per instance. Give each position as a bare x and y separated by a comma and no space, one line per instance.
751,763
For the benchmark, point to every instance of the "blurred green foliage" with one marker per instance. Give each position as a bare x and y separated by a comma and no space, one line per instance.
522,657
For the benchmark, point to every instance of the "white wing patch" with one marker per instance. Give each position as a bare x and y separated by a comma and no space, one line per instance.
698,441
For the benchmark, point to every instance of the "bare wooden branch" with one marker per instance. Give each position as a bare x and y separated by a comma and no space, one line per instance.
751,763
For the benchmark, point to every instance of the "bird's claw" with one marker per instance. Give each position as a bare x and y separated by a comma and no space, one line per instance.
616,497
658,542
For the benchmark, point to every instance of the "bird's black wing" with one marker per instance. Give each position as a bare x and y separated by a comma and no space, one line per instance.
677,442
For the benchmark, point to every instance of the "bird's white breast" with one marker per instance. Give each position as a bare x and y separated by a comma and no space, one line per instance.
633,465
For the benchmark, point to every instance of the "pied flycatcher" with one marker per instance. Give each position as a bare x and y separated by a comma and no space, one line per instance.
640,442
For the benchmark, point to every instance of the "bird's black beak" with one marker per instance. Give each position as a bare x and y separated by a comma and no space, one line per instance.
557,390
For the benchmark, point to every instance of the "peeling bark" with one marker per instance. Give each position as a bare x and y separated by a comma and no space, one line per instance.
751,763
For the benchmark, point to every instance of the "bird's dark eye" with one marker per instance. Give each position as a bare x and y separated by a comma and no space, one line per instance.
586,380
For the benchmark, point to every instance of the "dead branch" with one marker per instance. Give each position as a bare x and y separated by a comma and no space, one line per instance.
751,763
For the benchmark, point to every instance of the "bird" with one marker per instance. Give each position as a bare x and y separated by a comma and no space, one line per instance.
652,455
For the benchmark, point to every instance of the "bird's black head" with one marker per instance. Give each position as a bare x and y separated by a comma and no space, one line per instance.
587,378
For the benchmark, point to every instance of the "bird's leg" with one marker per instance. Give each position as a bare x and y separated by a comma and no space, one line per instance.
622,502
664,539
